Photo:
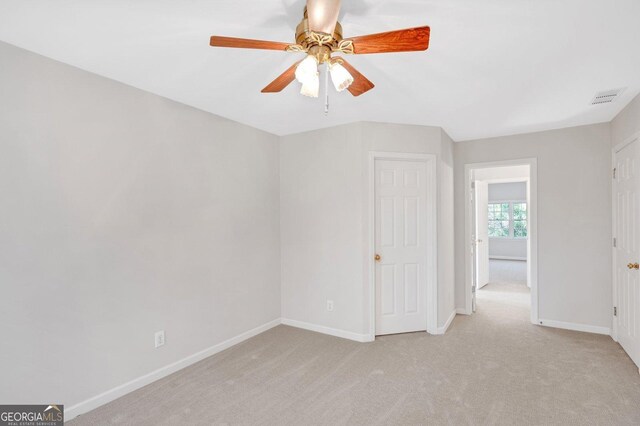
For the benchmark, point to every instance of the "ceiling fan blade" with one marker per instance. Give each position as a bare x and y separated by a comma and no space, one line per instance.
323,15
245,43
361,84
282,81
409,40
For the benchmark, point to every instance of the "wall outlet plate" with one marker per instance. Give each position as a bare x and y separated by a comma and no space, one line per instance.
159,338
330,305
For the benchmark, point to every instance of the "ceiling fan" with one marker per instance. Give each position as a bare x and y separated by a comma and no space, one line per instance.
319,35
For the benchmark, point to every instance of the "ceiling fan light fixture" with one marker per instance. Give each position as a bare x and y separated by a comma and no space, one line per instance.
319,35
307,70
311,88
340,77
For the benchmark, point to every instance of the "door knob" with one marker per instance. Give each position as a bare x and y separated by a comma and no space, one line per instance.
377,257
633,265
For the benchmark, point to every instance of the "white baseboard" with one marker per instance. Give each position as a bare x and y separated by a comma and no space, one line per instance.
462,311
575,327
443,329
507,258
328,330
118,391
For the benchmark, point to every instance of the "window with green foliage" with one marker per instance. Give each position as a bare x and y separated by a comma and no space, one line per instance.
519,219
499,220
508,219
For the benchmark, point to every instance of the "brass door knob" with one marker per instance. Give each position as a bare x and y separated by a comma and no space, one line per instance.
377,257
633,265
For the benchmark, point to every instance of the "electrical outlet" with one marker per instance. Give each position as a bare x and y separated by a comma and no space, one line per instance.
330,305
159,338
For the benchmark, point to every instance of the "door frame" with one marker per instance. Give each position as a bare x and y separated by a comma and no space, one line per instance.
430,221
614,224
532,245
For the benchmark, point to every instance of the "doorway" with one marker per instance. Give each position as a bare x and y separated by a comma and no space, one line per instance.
403,243
507,230
501,231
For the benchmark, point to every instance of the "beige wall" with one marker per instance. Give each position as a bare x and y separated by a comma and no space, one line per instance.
446,240
123,213
627,122
574,217
321,201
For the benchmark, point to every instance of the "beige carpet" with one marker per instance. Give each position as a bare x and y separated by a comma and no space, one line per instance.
507,271
490,369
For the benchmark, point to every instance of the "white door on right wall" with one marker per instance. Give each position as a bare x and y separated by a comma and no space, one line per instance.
627,196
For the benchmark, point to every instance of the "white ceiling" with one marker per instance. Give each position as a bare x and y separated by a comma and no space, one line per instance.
495,67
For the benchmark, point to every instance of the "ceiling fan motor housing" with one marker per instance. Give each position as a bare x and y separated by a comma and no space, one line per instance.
319,45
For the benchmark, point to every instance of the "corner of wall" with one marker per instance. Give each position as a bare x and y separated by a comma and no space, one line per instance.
626,123
446,232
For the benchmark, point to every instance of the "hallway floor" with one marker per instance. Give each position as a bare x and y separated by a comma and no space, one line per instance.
490,368
508,271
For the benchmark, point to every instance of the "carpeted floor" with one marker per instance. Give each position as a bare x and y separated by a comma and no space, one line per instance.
508,271
493,368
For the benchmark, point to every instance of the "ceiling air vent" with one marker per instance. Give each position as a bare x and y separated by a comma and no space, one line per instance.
606,97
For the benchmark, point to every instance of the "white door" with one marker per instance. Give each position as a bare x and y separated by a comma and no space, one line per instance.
627,192
473,243
400,244
482,233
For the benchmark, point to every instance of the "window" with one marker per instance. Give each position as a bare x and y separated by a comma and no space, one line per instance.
499,220
508,219
519,219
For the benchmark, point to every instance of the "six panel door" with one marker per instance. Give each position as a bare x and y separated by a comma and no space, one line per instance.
627,191
400,242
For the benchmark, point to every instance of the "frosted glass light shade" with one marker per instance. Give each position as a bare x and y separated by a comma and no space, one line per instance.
307,70
340,77
311,87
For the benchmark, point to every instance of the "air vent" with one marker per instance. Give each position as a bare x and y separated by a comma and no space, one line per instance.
606,97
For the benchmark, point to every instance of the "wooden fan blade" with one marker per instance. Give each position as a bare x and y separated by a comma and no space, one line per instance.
282,81
409,40
323,15
361,84
245,43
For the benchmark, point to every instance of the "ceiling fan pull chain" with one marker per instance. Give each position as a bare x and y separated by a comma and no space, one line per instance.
326,89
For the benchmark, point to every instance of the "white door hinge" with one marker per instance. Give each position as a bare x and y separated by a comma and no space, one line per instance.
615,242
615,311
614,172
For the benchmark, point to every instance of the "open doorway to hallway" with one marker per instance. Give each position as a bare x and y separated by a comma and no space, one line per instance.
501,228
507,230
